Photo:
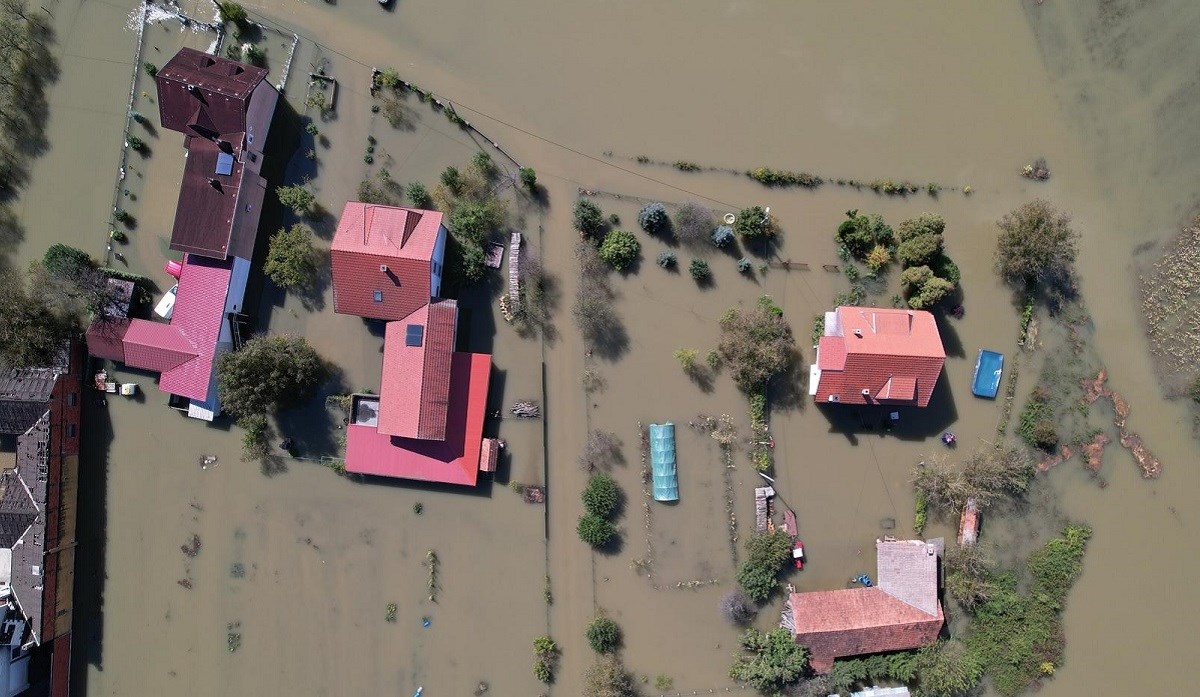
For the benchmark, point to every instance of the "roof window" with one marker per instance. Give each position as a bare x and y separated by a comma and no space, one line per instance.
414,335
378,296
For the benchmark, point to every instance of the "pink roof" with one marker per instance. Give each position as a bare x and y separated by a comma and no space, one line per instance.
104,338
454,460
895,355
857,621
415,390
901,612
387,250
183,350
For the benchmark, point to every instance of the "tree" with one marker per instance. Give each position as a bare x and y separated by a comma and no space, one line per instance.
859,234
256,434
268,372
418,196
968,576
987,475
297,197
753,223
474,220
947,669
653,218
389,77
601,495
588,219
878,258
619,249
699,270
529,179
607,677
912,278
603,635
932,292
769,661
693,223
291,258
687,359
595,530
66,262
737,608
601,451
1036,246
767,552
232,13
756,345
920,250
924,224
31,334
722,236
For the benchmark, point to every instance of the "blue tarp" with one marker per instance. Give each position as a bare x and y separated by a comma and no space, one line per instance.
988,368
662,462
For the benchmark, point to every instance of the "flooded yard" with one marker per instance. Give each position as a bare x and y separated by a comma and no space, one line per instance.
226,580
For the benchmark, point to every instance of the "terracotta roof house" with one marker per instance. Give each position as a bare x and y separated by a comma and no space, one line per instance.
901,611
426,423
872,355
224,108
39,465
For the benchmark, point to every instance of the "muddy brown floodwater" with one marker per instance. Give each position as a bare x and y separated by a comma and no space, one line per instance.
303,564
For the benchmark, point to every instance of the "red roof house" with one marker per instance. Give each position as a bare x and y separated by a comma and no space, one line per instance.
387,261
901,611
872,355
427,421
206,95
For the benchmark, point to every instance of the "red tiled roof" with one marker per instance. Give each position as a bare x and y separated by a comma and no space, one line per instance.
384,249
489,454
454,460
857,621
415,390
895,355
222,92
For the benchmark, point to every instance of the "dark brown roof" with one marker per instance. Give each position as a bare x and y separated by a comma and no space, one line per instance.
203,94
208,202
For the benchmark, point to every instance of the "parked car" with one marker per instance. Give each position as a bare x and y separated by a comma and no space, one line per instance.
166,307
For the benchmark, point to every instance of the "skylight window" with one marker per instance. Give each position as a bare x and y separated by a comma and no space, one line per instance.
414,335
379,296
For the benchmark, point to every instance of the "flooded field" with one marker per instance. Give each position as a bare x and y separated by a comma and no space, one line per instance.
301,566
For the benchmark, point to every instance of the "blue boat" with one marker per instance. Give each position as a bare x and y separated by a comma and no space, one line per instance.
988,368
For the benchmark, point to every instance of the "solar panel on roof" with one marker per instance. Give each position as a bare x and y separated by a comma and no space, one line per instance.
414,335
224,163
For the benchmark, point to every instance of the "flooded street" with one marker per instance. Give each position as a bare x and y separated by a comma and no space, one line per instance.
301,565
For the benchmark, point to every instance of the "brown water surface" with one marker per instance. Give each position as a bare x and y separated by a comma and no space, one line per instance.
852,90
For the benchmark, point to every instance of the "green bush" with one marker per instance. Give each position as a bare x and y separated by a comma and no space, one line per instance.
699,270
860,234
389,77
231,12
603,635
753,223
920,250
452,179
620,249
924,224
419,196
756,345
769,661
779,177
693,223
135,143
151,69
474,220
931,293
943,267
545,657
947,669
1037,412
66,262
297,197
653,218
666,259
722,236
529,179
744,265
291,258
767,553
1036,245
912,278
255,435
588,219
594,530
601,495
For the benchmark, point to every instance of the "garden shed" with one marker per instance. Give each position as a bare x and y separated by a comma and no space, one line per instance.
662,462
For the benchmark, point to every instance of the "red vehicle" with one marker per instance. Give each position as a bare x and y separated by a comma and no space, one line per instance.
798,554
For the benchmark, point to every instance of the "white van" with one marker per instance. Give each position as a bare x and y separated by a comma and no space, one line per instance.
166,307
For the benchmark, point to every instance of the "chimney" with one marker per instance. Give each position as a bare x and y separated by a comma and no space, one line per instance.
214,183
383,268
858,333
866,392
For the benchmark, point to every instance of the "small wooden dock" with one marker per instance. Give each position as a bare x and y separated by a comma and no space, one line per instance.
514,273
968,525
762,507
789,523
